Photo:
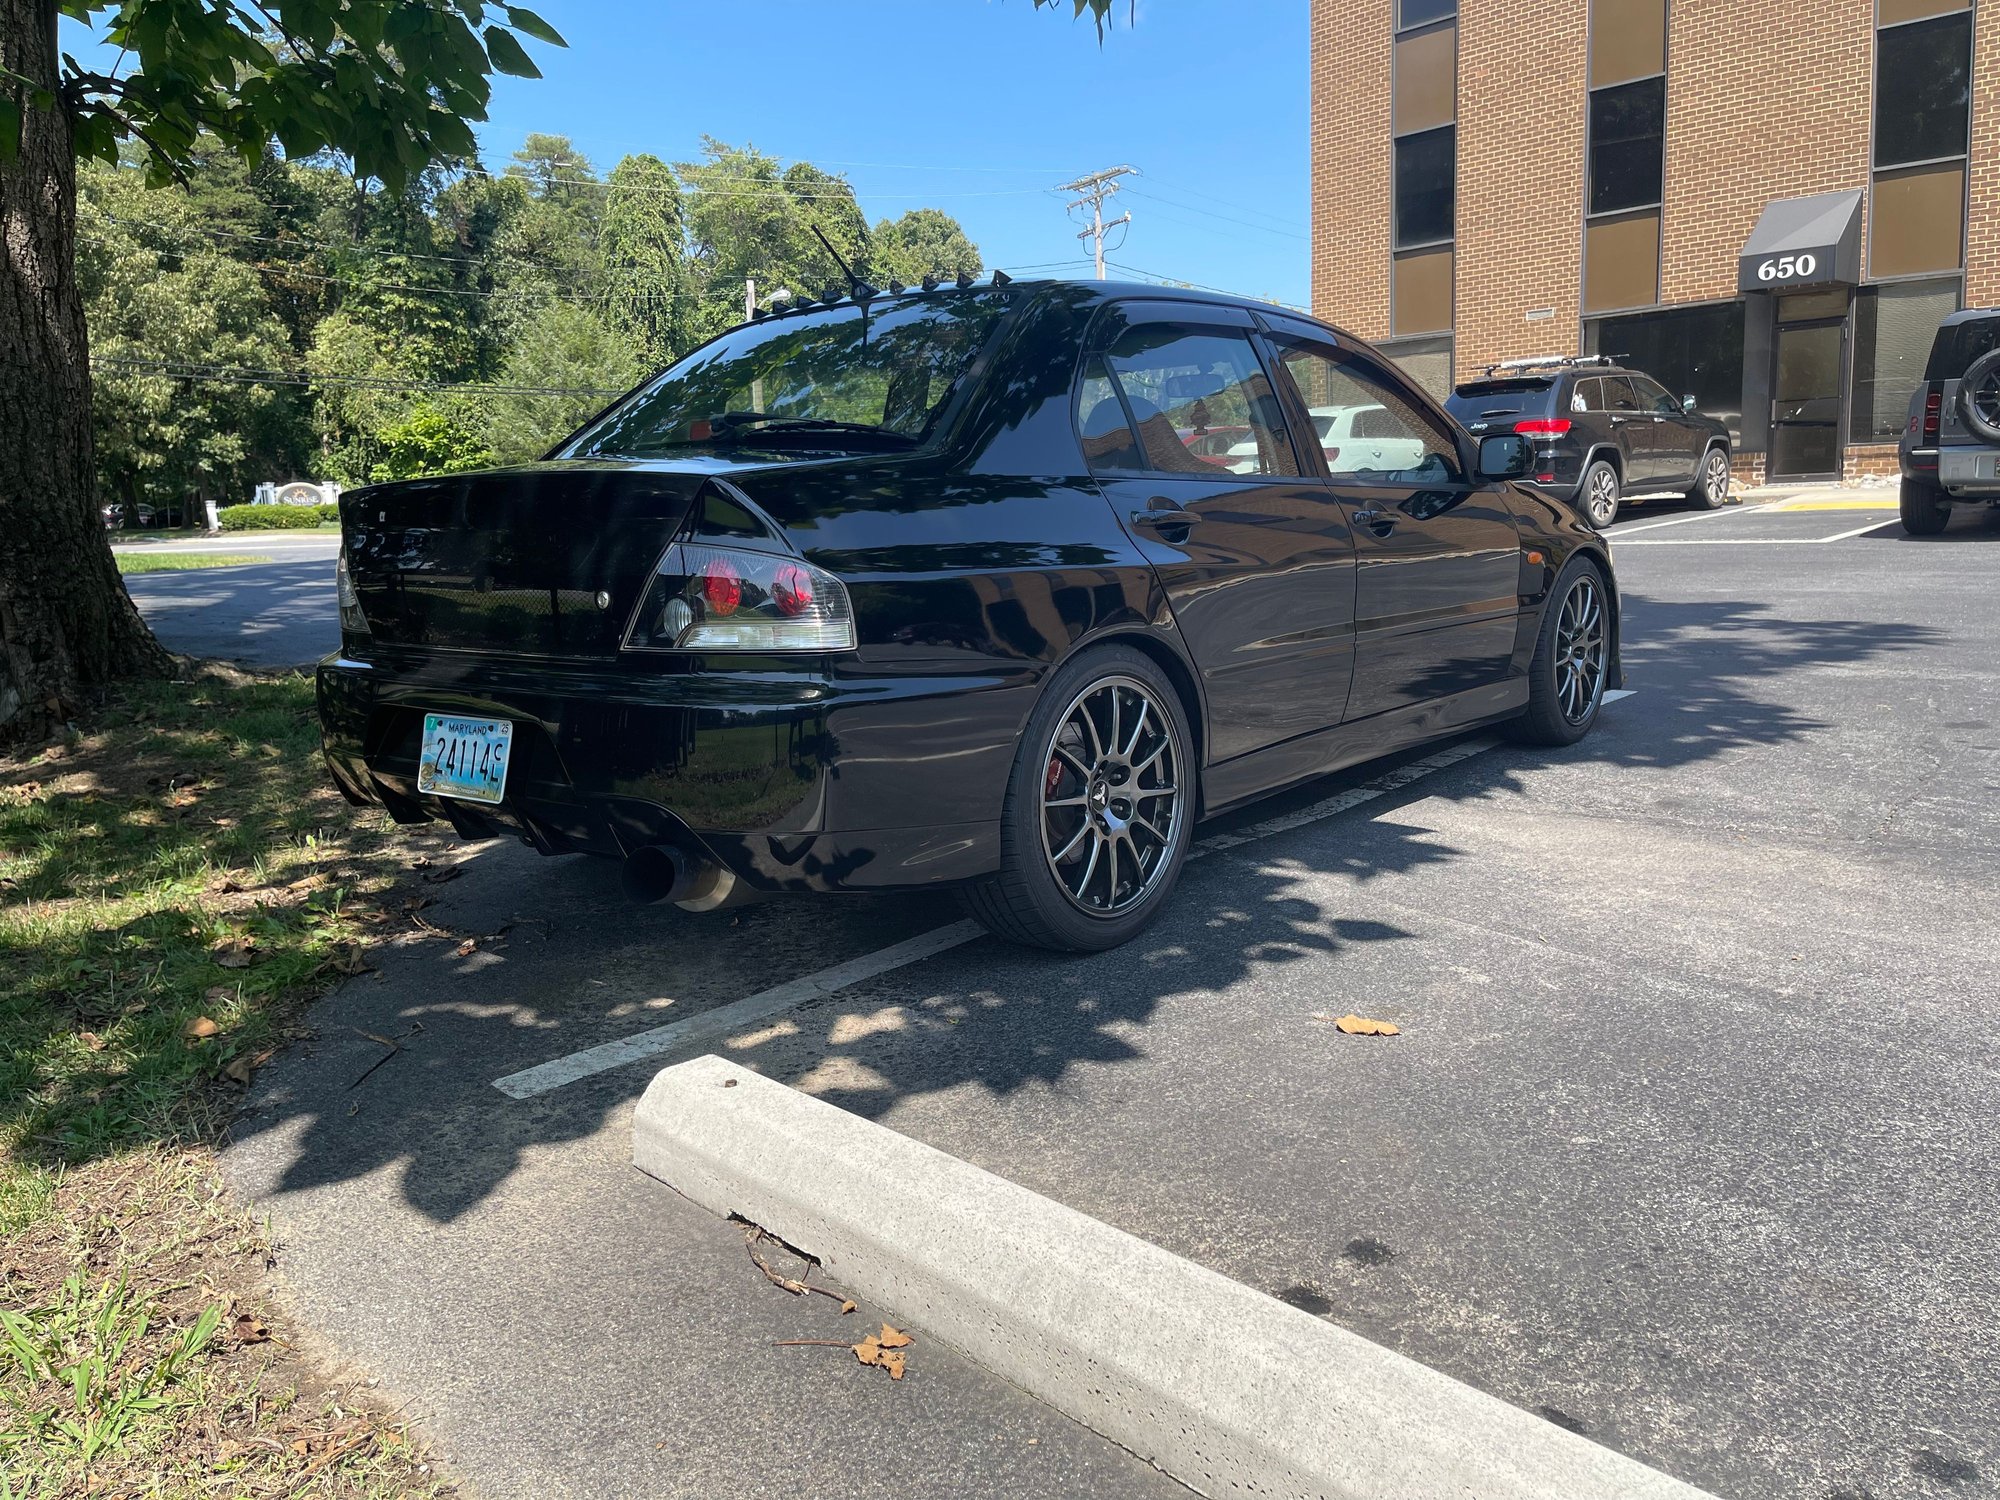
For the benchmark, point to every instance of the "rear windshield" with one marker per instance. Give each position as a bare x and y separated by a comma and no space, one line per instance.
1478,398
1958,346
887,370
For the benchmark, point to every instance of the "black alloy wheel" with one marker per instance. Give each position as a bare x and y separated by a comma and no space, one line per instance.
1979,397
1599,493
1711,487
1099,810
1572,661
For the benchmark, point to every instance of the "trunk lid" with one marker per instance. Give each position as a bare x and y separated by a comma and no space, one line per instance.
543,560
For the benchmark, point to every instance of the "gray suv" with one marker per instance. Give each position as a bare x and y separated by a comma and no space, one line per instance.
1950,452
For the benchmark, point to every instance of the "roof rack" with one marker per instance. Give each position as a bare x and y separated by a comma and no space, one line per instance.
1547,361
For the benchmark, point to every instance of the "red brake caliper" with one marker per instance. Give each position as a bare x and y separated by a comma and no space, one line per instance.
1054,779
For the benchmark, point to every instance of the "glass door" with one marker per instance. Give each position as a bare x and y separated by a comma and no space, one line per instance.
1806,406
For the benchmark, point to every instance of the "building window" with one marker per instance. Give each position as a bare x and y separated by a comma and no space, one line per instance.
1628,40
1427,362
1422,12
1621,262
1893,327
1923,90
1923,101
1420,292
1628,132
1425,85
1692,351
1426,173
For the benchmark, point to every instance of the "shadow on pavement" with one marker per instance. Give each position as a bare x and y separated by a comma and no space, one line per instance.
278,614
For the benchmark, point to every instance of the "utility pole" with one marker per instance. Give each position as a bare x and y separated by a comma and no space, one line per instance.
1092,191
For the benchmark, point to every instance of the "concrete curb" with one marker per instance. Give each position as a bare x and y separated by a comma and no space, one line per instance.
1224,1388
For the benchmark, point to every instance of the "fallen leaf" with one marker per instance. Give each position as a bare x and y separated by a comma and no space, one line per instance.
449,872
238,1070
418,903
347,959
249,1330
236,954
893,1338
219,994
301,1447
464,949
870,1352
91,1040
1355,1025
848,1306
200,1029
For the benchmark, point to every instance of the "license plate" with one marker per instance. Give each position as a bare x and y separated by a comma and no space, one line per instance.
1970,466
465,758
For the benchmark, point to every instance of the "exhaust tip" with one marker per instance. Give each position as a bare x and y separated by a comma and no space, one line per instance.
654,873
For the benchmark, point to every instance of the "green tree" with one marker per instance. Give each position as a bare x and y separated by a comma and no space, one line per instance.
389,83
648,293
159,291
923,242
433,437
573,364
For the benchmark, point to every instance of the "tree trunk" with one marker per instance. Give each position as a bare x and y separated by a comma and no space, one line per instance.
66,623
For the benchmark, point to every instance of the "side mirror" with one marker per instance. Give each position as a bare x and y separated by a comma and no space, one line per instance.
1687,405
1507,456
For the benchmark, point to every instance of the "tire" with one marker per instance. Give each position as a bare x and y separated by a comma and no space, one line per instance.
1560,711
1083,790
1711,485
1925,512
1598,493
1979,397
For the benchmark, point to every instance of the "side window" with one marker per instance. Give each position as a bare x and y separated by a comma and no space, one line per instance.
1618,395
1653,396
1100,421
1371,429
1201,402
1588,396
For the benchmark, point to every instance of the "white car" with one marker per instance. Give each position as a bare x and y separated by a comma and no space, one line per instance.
1357,438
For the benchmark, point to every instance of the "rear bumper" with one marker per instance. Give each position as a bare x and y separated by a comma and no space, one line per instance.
794,780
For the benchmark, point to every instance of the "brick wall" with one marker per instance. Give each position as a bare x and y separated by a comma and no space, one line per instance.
1351,207
1521,79
1763,101
1982,228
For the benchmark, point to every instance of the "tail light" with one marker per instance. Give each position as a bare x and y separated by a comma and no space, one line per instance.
1331,453
1933,412
708,598
1542,427
352,620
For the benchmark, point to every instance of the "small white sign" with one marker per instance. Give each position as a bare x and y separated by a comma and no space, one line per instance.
1540,314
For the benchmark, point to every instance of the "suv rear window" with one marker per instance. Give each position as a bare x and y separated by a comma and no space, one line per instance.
1958,345
1479,398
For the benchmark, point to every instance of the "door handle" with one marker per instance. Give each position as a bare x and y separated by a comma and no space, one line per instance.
1381,522
1165,518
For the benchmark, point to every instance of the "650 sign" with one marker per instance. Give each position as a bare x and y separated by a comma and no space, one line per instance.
1788,267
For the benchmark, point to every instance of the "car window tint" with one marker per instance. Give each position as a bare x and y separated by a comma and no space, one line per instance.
1100,422
1653,396
1589,396
1618,394
1372,430
1188,389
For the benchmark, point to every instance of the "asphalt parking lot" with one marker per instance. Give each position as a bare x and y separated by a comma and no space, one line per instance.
1687,1142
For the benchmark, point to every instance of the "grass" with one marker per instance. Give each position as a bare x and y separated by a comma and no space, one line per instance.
178,879
181,562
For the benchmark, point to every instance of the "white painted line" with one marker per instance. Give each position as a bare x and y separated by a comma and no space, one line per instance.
1226,1389
1863,530
1612,695
1701,515
546,1077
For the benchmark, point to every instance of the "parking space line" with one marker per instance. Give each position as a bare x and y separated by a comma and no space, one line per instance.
1618,532
560,1072
1862,530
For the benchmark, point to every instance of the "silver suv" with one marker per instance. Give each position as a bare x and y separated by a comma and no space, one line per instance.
1950,451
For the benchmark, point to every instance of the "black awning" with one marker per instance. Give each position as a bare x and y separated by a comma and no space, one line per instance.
1801,242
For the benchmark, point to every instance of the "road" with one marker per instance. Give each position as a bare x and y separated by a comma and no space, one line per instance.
1687,1142
276,614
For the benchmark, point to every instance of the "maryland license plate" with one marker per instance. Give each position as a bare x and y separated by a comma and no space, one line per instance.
465,758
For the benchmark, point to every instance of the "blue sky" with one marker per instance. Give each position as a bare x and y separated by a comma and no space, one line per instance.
974,106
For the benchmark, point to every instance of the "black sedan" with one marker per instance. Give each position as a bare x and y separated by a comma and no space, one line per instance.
933,587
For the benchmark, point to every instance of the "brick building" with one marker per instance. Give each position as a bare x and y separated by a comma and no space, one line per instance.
1766,204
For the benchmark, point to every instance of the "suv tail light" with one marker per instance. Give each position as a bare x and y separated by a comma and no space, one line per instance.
352,620
707,598
1933,411
1542,426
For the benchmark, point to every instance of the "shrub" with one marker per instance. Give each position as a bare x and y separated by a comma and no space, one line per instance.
275,517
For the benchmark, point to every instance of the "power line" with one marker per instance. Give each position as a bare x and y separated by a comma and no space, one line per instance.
1092,190
240,375
1223,218
1200,286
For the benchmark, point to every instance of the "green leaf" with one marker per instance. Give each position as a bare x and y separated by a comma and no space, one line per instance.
10,128
508,55
523,19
